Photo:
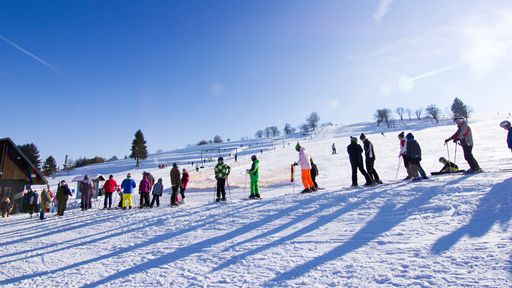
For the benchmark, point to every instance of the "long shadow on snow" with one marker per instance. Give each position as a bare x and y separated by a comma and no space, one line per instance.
386,219
144,244
186,251
321,221
494,207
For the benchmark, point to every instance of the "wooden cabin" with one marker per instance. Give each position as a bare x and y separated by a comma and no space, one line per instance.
16,172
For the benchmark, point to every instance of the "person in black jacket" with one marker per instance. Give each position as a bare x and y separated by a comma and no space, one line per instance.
369,154
356,161
414,155
314,172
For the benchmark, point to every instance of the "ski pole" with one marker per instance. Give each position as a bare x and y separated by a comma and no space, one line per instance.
455,157
398,167
448,151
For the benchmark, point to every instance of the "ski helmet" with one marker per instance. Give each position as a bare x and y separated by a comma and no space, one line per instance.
459,119
442,159
505,124
221,159
253,157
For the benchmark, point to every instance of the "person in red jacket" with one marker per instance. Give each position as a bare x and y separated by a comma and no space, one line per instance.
464,137
109,187
184,182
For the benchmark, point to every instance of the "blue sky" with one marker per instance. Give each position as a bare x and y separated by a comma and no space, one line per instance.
80,77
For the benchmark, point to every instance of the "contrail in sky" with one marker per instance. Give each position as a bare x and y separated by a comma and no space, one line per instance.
31,55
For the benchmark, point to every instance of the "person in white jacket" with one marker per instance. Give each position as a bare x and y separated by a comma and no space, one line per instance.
305,169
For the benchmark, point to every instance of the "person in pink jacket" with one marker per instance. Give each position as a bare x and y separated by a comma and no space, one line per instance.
144,189
305,169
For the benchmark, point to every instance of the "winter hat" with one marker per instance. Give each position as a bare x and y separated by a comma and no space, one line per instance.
159,179
353,139
111,176
442,159
409,136
129,175
174,165
221,159
401,135
505,124
86,177
184,170
362,136
297,147
253,157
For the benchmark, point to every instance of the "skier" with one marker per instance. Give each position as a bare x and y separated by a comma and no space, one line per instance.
221,174
355,152
63,193
464,136
506,125
158,189
254,174
6,206
44,203
128,185
414,156
184,183
333,148
449,167
369,154
109,187
175,184
305,169
144,189
314,172
403,153
86,188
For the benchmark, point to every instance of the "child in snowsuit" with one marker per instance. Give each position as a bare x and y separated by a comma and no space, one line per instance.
175,184
305,169
158,189
464,136
414,155
314,173
184,183
370,159
128,185
448,167
355,152
506,125
254,174
221,174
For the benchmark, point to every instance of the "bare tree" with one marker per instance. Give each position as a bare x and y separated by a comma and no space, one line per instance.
434,112
383,116
409,113
400,111
418,113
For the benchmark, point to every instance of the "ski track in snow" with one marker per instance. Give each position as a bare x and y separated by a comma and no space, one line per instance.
449,231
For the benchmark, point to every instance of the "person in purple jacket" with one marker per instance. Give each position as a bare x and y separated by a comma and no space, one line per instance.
144,189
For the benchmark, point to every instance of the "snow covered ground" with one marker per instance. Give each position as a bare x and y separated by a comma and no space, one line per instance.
449,231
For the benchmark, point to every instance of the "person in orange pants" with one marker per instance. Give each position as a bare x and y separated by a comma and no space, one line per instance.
305,169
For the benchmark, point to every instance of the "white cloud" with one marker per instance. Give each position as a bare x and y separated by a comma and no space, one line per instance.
384,7
217,88
333,104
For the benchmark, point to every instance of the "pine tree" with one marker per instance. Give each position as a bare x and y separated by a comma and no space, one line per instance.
32,154
49,166
460,109
139,148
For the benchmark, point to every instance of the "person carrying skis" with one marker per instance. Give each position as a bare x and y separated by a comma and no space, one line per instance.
305,169
254,174
184,183
87,189
144,189
369,154
175,184
506,125
128,185
449,167
464,137
109,187
414,155
314,172
221,174
63,193
158,189
355,152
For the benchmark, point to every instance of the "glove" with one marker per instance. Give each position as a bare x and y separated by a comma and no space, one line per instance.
295,164
247,171
446,140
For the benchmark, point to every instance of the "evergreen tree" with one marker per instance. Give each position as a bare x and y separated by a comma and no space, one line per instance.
217,139
460,109
139,148
32,154
49,166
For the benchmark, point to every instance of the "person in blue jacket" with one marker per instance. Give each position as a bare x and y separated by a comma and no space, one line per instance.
128,185
506,125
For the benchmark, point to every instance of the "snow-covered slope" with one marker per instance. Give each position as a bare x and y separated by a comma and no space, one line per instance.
448,231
